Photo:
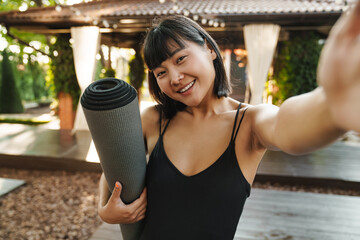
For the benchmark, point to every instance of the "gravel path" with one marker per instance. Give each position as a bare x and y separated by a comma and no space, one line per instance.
52,205
63,205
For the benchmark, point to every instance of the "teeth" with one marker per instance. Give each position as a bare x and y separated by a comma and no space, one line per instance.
187,87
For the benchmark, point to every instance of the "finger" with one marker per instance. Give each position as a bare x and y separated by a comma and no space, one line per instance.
348,23
354,20
143,194
137,216
138,202
351,20
141,210
115,196
140,216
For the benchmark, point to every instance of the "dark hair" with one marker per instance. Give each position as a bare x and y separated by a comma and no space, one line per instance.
157,49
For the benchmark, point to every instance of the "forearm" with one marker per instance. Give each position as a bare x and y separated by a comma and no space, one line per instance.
304,124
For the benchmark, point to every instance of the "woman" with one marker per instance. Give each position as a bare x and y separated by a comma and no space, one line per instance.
205,147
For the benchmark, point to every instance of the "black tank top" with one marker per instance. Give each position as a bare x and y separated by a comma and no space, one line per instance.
207,205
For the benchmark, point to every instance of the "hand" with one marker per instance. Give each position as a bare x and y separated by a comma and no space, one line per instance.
339,70
116,211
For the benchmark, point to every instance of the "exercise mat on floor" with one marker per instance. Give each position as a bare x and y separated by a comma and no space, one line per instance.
111,110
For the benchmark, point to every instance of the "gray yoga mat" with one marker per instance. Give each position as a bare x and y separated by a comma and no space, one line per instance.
111,110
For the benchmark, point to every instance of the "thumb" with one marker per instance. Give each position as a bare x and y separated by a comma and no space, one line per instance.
115,196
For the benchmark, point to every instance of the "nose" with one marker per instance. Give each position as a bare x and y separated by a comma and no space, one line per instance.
176,77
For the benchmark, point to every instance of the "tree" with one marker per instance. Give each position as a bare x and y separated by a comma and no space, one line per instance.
30,72
10,101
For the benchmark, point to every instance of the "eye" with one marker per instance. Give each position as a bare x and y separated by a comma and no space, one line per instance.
180,59
160,74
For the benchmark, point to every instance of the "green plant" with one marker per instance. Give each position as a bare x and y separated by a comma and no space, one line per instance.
107,73
137,71
10,100
295,66
63,69
28,121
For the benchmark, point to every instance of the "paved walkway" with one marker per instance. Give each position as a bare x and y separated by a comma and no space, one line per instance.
284,215
32,147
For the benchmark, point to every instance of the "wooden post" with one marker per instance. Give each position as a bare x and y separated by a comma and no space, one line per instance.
66,113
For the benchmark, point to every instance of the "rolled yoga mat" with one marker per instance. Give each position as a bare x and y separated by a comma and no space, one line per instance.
111,109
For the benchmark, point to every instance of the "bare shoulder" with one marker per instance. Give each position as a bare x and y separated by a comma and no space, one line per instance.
149,116
233,106
261,112
150,119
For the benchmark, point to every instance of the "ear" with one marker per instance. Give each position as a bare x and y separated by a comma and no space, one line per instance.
211,50
213,54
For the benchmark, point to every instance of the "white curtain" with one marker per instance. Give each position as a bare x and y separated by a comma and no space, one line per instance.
227,63
86,41
260,43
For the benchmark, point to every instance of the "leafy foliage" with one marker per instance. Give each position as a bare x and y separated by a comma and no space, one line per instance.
295,66
107,73
10,101
29,74
63,69
137,71
7,5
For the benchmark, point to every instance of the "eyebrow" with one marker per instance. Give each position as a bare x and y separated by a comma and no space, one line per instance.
175,51
171,54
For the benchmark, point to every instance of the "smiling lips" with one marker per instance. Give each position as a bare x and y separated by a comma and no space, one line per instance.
187,87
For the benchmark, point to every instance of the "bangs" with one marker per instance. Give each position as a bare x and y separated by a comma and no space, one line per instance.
160,46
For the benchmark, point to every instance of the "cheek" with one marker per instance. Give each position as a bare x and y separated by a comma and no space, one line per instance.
163,85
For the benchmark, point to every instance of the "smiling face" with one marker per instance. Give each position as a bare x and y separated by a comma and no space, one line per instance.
188,74
175,35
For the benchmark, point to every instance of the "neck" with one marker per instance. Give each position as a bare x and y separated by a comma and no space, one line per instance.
208,108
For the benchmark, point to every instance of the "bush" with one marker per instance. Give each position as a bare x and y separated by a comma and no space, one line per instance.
295,66
107,73
63,69
10,100
137,71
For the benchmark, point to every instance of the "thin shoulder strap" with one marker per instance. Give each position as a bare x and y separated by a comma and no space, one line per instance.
160,123
236,117
242,117
167,124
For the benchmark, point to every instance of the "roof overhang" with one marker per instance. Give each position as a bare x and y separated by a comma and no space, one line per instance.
123,23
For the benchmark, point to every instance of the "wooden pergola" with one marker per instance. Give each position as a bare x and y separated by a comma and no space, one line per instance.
123,23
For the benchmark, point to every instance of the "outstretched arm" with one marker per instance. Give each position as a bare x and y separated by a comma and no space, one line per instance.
302,124
339,70
310,121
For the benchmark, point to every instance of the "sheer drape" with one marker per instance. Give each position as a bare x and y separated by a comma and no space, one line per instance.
86,41
260,43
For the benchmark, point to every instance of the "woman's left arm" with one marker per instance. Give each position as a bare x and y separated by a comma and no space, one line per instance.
302,124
